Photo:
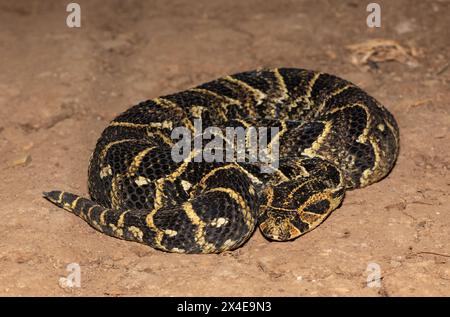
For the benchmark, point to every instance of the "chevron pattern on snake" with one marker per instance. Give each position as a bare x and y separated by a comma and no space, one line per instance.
333,137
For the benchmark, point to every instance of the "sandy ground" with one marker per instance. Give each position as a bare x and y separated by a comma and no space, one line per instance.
59,88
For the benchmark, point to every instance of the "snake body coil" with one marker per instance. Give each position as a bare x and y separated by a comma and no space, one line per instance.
332,137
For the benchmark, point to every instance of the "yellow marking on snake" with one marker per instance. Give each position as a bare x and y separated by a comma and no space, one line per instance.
137,160
136,232
162,136
156,206
188,124
307,96
106,171
363,136
117,231
60,197
280,174
335,93
294,191
219,222
158,202
278,208
228,244
211,173
121,220
182,168
114,193
111,144
364,179
102,217
313,217
163,125
170,233
200,232
224,103
259,95
301,168
186,185
282,84
311,151
243,122
96,226
215,95
245,209
393,131
141,181
325,195
269,195
128,125
192,215
88,213
271,145
74,203
196,111
165,103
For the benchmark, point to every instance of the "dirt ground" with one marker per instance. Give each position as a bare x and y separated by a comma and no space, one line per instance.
60,86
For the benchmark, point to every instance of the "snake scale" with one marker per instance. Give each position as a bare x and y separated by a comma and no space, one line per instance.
332,137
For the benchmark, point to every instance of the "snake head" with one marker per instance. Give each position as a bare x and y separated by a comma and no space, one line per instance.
280,226
283,220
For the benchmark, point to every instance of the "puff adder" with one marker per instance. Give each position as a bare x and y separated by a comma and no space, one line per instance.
333,137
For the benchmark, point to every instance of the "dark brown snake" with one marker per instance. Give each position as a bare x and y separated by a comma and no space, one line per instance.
332,137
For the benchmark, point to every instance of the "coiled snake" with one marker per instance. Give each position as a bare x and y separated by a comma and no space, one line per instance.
332,137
